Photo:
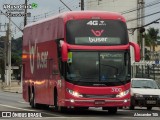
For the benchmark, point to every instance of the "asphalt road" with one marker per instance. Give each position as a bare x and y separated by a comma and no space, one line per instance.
14,104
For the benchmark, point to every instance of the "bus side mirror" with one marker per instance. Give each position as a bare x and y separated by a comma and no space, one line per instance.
136,51
64,51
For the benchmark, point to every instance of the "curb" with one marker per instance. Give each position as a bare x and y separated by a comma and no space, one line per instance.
18,92
11,89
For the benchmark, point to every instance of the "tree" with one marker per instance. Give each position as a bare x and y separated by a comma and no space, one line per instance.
151,38
16,54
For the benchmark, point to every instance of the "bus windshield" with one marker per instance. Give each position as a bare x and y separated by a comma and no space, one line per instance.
98,66
96,32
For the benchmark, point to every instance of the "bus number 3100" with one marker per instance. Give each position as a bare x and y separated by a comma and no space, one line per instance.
116,90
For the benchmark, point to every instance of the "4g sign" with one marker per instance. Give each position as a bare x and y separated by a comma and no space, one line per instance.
96,22
92,22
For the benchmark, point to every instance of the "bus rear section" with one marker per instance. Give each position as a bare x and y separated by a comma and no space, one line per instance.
90,66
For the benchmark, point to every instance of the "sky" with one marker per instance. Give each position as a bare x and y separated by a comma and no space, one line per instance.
46,8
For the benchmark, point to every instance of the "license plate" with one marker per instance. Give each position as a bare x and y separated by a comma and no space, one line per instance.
99,102
151,102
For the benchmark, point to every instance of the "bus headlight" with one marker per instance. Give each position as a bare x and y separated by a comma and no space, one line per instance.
123,93
74,93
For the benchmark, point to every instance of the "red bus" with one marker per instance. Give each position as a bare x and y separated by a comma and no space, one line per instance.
78,59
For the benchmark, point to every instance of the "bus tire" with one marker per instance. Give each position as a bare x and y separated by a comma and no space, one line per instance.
149,108
112,110
56,106
55,100
131,107
32,99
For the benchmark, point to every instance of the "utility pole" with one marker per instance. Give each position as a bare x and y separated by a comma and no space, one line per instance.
82,4
140,24
8,70
25,13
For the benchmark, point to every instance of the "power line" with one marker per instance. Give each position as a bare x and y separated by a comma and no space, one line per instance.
155,21
135,9
59,9
11,21
143,16
17,2
11,1
65,5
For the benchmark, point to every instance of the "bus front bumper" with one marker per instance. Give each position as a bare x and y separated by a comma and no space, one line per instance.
97,103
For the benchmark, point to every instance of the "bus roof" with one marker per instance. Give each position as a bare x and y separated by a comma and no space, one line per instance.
81,14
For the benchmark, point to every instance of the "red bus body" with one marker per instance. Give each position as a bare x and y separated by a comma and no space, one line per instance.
41,74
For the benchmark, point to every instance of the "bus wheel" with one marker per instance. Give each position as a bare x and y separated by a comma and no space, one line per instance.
131,107
56,107
149,108
112,110
32,100
55,100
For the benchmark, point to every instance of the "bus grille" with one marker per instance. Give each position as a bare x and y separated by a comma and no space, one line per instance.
99,96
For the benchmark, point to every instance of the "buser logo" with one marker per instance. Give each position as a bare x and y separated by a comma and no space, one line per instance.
97,32
41,57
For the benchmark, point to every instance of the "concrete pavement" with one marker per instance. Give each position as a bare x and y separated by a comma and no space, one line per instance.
12,89
15,87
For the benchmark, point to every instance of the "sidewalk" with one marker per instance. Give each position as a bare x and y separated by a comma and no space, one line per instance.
14,88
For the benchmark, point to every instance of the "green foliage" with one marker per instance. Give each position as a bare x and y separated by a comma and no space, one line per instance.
151,38
16,45
17,51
